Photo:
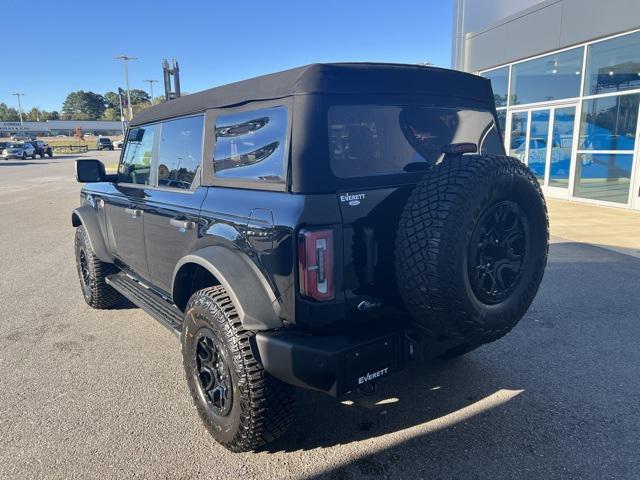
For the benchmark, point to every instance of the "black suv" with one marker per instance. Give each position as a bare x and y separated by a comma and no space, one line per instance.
104,143
42,148
316,228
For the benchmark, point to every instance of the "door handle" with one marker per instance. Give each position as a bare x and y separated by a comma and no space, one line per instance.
134,212
186,224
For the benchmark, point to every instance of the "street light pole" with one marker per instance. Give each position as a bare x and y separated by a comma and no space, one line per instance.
151,82
20,110
126,59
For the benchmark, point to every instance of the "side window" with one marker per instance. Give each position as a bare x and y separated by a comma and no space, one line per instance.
136,161
251,145
180,152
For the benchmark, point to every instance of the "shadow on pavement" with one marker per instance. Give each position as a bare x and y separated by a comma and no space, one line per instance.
556,398
23,163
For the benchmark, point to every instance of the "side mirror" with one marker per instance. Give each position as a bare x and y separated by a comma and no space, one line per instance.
90,171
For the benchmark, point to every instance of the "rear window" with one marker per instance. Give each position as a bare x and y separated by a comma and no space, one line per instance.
383,139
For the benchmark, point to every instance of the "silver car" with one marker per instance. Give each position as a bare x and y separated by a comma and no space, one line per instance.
19,150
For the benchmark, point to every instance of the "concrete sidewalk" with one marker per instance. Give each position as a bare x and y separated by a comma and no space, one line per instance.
612,228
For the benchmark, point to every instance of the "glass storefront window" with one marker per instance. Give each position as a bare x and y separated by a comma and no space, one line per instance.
518,147
609,123
613,65
561,144
537,159
552,77
500,85
502,121
603,176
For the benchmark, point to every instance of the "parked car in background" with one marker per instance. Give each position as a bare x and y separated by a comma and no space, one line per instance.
105,143
42,148
119,143
19,150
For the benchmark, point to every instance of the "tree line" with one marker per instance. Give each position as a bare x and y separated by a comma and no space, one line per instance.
83,105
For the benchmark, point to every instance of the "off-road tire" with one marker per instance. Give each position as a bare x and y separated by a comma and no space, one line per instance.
261,406
95,290
433,251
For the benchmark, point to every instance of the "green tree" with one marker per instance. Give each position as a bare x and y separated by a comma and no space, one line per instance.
83,105
112,100
34,115
139,96
111,114
8,114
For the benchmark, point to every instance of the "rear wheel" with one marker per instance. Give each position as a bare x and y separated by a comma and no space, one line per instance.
472,248
50,153
24,155
242,406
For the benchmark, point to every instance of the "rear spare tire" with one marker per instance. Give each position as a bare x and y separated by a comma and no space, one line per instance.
471,248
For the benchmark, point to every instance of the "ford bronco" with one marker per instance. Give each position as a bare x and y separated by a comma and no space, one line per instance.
318,228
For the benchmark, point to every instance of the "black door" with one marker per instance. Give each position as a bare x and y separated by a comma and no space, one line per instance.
171,231
125,207
172,209
125,213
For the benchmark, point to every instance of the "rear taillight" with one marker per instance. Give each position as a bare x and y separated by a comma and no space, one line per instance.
315,264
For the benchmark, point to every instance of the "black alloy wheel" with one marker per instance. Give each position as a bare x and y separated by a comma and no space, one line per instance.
497,251
214,377
85,275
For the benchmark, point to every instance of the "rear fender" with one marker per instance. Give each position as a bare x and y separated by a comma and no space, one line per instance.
255,302
87,217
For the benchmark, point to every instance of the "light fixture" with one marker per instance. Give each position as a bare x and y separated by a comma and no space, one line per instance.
554,71
611,73
578,72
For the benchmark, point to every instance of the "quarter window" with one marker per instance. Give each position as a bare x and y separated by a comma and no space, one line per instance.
251,145
136,162
180,152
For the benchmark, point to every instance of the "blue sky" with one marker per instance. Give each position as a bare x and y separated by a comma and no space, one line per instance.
214,42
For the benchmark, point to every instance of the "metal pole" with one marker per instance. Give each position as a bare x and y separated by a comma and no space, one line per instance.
121,112
126,59
20,110
151,82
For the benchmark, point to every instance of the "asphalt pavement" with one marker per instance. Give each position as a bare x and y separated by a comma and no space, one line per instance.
101,394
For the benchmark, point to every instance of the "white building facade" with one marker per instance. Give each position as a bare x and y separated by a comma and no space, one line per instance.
566,78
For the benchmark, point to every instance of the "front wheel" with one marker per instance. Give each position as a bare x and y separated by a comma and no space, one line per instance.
242,406
92,273
50,153
24,156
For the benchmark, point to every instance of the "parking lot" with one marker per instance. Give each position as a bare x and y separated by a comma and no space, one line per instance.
101,394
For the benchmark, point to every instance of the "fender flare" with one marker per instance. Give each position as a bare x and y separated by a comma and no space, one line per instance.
255,302
87,217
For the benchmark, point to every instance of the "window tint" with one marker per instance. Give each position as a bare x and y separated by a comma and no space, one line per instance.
613,65
251,145
548,78
500,84
377,139
609,123
136,162
180,152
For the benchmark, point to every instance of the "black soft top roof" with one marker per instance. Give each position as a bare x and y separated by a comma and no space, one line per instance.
327,78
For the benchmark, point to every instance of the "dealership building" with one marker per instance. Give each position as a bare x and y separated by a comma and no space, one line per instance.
566,78
60,127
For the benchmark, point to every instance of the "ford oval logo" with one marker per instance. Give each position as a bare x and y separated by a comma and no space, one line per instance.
353,203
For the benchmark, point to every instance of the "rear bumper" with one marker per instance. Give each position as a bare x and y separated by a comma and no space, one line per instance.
337,363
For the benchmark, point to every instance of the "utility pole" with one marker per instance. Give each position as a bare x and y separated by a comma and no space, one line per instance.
151,82
121,112
20,110
126,59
